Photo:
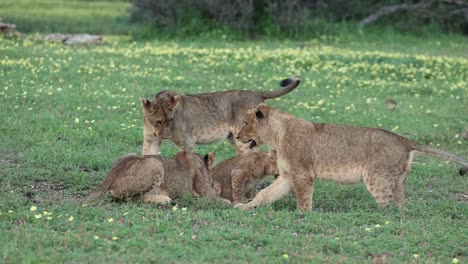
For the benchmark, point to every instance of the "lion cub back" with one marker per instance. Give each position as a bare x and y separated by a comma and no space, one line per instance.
131,175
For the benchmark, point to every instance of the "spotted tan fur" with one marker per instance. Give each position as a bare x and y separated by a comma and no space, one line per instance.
206,118
236,179
344,154
159,179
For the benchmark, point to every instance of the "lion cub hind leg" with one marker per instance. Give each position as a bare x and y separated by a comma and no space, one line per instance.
278,189
399,189
381,183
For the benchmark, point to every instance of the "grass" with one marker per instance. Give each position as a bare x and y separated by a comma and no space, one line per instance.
69,16
68,112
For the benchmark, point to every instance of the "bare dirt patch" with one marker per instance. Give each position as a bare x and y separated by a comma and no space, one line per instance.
462,197
43,192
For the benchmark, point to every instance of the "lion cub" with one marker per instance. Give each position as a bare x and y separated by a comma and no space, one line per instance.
345,154
206,118
236,179
159,179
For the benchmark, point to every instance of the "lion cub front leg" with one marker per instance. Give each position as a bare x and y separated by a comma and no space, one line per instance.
278,189
185,142
238,180
151,144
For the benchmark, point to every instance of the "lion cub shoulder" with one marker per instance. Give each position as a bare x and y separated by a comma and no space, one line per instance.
159,179
236,179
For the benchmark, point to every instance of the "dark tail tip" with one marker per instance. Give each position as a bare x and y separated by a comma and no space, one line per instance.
286,82
463,170
290,81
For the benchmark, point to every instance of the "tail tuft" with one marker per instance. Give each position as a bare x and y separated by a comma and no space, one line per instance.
463,170
286,82
289,81
287,85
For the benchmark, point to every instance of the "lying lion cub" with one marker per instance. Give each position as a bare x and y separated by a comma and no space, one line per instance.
159,179
345,154
236,179
206,118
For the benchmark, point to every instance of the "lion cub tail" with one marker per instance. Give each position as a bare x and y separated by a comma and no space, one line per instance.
120,165
287,85
424,149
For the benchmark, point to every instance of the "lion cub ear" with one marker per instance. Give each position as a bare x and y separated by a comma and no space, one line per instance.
262,111
146,104
173,102
210,159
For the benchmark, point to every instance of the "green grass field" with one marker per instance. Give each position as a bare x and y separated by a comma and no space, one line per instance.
68,112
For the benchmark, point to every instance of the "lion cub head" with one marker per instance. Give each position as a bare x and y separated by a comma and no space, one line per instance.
159,112
256,125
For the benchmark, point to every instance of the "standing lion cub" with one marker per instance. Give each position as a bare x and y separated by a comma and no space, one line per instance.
345,154
237,178
159,179
206,118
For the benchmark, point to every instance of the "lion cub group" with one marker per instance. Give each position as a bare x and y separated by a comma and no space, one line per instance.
300,152
187,120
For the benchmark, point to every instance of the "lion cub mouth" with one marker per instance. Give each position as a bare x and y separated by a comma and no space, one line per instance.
252,144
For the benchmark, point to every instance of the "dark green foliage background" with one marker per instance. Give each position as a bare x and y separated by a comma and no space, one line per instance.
68,112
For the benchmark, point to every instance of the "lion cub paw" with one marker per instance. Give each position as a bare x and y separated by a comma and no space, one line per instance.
226,201
242,206
157,199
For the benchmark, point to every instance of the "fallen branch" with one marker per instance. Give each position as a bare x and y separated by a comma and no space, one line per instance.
72,39
9,30
424,8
